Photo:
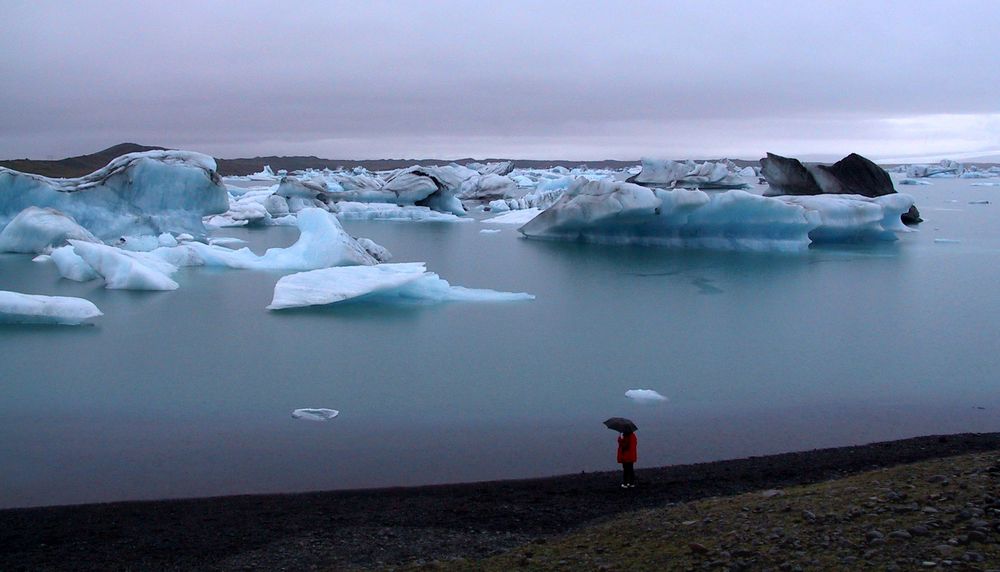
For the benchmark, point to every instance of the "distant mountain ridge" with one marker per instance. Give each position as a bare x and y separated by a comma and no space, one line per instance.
86,164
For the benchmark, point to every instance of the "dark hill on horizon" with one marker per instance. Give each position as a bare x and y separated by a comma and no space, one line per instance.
86,164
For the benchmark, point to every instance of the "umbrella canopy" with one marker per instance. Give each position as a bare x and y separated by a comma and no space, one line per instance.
621,425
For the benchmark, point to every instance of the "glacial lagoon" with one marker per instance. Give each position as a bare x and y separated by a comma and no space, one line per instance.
190,392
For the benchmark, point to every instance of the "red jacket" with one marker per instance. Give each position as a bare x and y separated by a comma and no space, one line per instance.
626,448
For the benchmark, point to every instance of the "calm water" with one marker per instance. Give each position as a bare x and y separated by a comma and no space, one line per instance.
189,393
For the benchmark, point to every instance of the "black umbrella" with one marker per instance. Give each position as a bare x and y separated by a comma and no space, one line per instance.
621,425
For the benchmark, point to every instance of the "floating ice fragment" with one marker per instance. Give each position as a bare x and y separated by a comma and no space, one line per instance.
315,414
17,308
124,270
514,217
947,241
489,231
403,281
645,396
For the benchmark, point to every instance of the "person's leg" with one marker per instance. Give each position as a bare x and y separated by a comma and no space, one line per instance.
629,474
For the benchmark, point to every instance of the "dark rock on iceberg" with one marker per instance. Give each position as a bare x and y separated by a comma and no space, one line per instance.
852,175
788,176
859,176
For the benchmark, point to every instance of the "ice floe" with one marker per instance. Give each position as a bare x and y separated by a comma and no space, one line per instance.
401,281
317,414
18,308
645,396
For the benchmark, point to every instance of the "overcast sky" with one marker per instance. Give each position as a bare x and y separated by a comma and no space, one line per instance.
554,80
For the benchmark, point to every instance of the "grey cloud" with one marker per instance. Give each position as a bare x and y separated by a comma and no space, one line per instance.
242,73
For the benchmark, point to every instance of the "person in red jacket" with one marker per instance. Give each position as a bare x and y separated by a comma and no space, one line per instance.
627,456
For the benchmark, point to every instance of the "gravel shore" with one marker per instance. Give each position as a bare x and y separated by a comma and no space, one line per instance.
456,525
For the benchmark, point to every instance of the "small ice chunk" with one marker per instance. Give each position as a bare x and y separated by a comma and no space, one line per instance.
331,285
377,251
515,217
489,231
41,258
71,266
645,396
17,308
947,241
166,239
319,414
124,270
226,241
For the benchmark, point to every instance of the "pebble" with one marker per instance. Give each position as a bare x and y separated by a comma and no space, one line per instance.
973,557
901,534
698,548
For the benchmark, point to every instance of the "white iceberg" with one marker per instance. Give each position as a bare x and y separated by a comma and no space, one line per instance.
40,229
402,281
945,168
708,175
623,213
136,194
352,211
487,187
125,270
265,174
489,231
17,308
645,396
319,414
323,242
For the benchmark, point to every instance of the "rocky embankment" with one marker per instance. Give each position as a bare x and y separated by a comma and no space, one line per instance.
709,515
937,514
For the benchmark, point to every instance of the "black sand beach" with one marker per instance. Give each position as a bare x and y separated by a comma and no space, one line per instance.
376,528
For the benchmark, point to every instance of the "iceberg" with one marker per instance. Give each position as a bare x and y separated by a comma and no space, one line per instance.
645,396
265,174
323,242
349,210
125,270
852,175
616,212
136,194
945,168
487,187
37,230
319,414
914,182
708,175
18,308
401,281
495,168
